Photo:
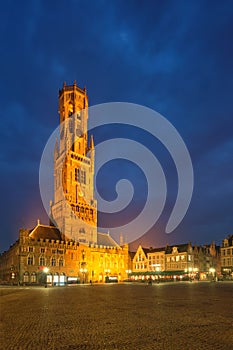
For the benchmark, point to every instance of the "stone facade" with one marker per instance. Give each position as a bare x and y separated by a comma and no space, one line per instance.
74,210
41,256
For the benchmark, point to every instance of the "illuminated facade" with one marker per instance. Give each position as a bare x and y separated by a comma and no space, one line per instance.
40,256
71,250
227,257
75,209
178,261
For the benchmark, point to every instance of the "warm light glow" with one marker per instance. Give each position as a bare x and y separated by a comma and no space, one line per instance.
46,270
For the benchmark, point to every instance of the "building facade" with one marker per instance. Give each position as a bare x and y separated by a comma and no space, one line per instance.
179,261
40,256
71,249
227,257
74,210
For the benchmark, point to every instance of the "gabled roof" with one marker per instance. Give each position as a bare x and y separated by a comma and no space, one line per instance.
105,239
146,250
45,232
180,247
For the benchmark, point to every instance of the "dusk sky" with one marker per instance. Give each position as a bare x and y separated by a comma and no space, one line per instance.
174,57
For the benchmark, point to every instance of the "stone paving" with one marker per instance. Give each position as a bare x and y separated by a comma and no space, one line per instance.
118,316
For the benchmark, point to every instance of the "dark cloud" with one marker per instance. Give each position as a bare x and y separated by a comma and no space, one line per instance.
175,57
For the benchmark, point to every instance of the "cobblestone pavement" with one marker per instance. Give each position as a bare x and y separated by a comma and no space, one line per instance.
125,316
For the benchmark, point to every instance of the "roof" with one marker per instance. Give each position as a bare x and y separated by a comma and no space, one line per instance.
105,239
131,254
45,232
180,247
154,250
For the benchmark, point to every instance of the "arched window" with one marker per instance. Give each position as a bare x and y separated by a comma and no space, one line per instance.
61,262
42,261
30,260
53,261
33,277
26,277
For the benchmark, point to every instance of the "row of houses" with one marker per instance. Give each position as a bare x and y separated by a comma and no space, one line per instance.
41,256
183,261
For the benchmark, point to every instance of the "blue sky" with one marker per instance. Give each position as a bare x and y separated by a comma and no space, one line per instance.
174,57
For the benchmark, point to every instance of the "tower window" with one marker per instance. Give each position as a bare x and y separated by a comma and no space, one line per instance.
80,176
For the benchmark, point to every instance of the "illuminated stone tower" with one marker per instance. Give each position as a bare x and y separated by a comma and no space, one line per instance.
75,208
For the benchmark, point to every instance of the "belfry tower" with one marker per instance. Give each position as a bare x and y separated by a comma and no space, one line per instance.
74,210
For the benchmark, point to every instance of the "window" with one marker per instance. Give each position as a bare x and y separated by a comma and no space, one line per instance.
30,260
42,250
33,277
76,174
228,252
53,262
42,261
54,251
26,277
177,258
61,262
30,249
80,175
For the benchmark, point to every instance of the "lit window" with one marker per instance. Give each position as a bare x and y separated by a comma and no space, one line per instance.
26,277
33,277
